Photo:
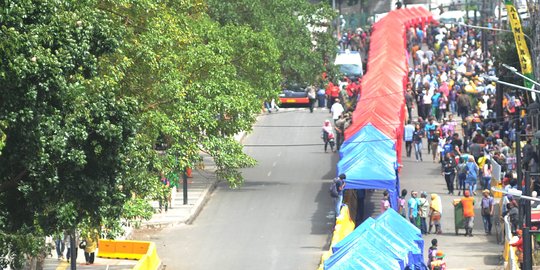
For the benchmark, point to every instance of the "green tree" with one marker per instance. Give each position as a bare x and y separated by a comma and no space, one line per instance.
90,87
69,140
287,21
198,83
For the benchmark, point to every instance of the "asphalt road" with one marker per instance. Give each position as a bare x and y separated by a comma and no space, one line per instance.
280,219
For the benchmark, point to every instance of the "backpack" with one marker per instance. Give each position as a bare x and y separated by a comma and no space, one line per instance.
333,189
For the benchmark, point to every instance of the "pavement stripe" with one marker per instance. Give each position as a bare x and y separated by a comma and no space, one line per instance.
62,266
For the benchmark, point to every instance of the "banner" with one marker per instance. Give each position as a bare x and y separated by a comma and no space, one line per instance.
521,43
496,171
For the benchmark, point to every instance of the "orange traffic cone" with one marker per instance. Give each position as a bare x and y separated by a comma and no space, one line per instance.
188,172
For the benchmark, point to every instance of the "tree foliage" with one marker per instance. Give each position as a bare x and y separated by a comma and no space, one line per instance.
90,87
288,23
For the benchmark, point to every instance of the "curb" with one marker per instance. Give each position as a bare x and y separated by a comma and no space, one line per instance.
201,202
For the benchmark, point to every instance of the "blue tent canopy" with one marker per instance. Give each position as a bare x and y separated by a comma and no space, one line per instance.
403,246
392,220
369,160
354,236
364,260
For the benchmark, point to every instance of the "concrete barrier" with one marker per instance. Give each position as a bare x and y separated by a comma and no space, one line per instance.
143,251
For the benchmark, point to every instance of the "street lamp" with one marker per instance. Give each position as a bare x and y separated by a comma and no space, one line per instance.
514,70
515,193
496,80
494,29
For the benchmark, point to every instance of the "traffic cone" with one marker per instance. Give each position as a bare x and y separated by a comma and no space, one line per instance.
188,172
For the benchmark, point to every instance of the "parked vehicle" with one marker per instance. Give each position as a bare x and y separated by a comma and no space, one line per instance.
350,64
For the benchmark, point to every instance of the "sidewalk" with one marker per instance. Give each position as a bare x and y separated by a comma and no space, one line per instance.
478,252
200,187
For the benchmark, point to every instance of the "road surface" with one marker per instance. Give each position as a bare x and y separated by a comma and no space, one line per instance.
280,219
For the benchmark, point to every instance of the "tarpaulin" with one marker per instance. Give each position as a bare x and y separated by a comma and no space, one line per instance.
392,245
344,226
391,219
368,160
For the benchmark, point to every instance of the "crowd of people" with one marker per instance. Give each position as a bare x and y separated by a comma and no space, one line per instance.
457,121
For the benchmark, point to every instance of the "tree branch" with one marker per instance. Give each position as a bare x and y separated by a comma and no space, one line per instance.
12,182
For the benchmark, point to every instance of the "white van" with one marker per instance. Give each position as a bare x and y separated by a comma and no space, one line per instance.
350,64
452,18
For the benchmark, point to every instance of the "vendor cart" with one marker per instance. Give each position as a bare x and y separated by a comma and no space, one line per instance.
458,215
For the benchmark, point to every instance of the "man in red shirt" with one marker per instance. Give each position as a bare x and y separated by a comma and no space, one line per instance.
332,92
351,89
467,203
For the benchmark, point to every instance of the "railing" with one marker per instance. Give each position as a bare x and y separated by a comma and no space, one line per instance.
511,261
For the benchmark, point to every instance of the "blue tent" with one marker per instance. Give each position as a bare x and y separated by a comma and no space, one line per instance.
392,220
403,246
364,260
369,161
376,169
354,236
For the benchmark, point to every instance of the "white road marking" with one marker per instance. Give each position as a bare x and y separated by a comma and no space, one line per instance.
269,173
274,164
279,154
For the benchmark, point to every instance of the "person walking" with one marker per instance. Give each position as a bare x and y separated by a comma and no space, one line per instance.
166,194
464,104
336,110
312,96
59,245
402,202
461,174
91,239
340,186
430,129
340,130
467,203
67,240
385,203
487,210
409,102
435,213
418,134
327,134
435,145
432,251
486,174
449,171
332,94
472,175
408,132
413,209
423,208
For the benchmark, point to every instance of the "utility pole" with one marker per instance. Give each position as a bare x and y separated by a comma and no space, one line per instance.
498,106
527,245
73,246
185,187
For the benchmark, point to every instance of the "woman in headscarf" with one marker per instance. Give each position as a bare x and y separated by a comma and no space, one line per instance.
435,213
328,135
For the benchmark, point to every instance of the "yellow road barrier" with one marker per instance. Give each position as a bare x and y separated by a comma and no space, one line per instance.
143,251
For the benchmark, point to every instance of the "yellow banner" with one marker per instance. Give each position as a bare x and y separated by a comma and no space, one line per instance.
519,37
